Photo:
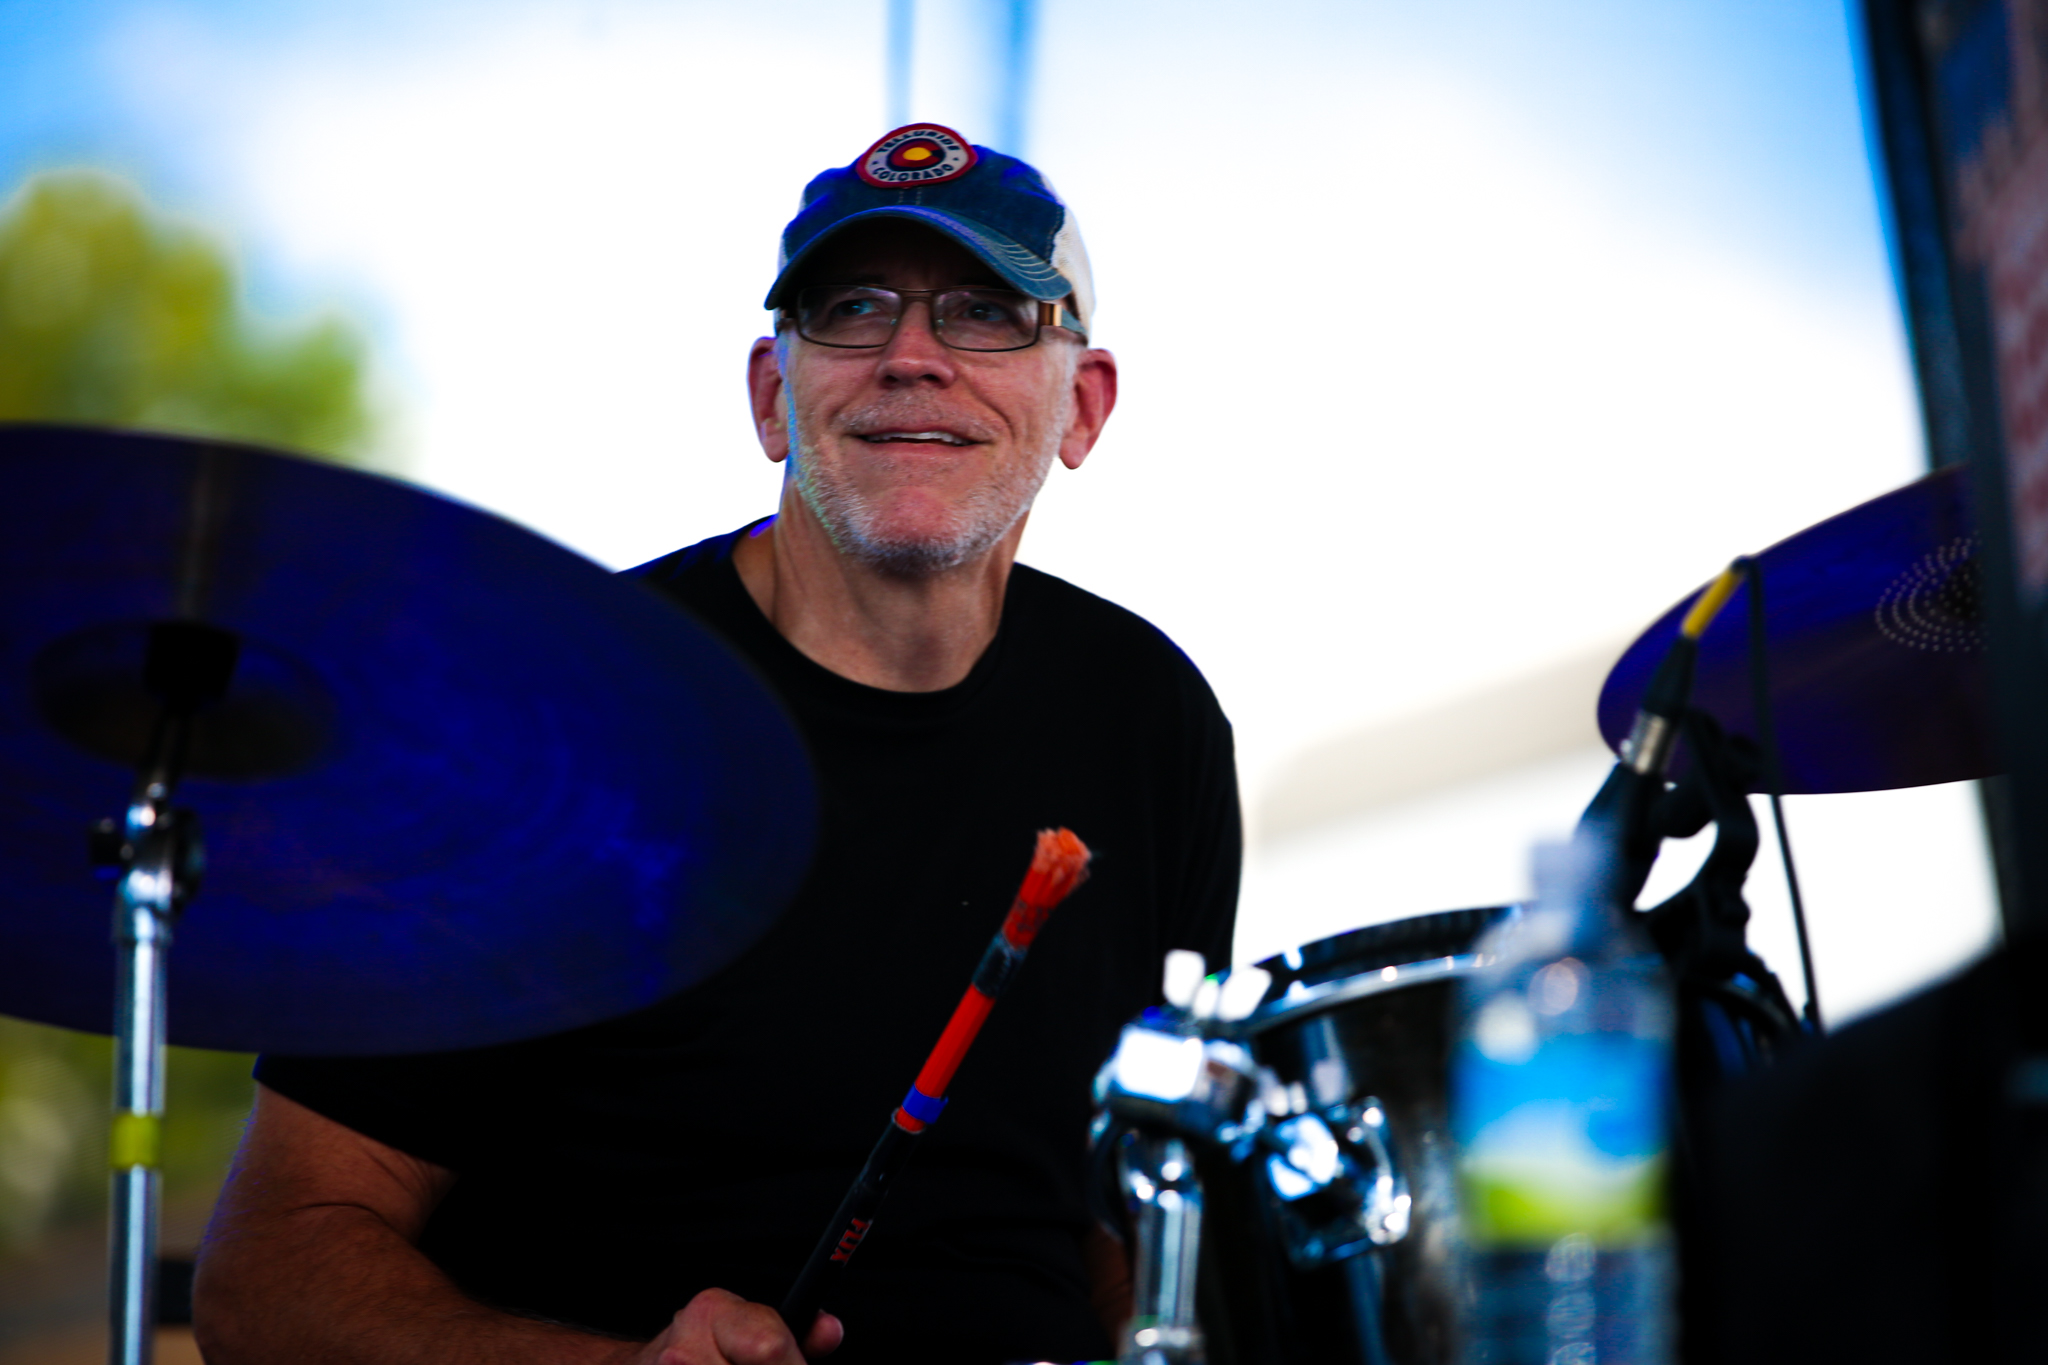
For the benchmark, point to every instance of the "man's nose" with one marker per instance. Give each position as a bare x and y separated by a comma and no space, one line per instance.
914,350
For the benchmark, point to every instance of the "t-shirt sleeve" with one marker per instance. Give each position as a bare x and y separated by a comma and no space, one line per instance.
1213,848
431,1105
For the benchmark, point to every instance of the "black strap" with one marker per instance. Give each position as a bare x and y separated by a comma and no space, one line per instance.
1774,779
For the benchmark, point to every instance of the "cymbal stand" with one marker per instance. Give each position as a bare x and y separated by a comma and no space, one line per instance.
160,853
1165,1197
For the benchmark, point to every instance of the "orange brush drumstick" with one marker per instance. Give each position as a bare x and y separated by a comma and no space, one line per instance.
1059,864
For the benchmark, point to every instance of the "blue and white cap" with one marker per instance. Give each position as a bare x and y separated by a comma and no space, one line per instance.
996,206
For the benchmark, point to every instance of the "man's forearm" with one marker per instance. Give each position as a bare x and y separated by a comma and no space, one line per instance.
336,1285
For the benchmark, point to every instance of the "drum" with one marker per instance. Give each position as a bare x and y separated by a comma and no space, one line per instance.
1354,1040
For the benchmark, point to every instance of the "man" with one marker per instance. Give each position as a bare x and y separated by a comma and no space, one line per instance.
560,1200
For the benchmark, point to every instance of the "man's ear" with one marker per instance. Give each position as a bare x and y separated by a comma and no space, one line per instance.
1094,399
769,397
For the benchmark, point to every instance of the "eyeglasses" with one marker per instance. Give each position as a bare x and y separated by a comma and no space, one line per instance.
859,316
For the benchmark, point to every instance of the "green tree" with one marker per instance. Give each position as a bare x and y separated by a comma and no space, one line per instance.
56,1090
116,315
113,314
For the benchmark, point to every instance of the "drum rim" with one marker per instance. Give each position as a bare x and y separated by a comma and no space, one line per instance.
1302,1001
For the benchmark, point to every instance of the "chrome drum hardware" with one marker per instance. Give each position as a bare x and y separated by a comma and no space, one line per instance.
1281,1161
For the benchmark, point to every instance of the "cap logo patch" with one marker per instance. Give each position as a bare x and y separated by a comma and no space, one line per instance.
920,154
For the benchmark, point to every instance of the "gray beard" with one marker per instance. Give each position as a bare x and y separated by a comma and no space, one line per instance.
854,524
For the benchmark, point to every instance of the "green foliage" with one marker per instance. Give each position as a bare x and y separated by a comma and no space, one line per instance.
56,1094
113,315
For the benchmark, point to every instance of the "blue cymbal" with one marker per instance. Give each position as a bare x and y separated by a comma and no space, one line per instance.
465,786
1875,631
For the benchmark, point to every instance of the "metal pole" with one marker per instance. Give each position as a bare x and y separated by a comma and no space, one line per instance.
902,28
143,907
187,666
1017,44
1165,1197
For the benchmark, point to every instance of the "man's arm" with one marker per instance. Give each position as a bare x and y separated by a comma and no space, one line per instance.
310,1258
1109,1280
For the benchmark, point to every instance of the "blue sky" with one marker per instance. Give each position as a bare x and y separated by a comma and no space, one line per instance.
1577,229
1734,117
1456,337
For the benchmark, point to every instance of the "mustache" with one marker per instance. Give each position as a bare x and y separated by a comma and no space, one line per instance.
912,413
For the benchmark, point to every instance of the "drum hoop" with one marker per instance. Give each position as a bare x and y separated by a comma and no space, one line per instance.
1302,1001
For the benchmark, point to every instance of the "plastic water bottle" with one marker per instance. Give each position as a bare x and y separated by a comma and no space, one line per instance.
1560,1107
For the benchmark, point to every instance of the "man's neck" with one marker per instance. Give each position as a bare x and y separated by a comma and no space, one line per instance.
896,632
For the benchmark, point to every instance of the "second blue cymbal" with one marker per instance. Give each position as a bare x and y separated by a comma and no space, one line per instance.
1876,647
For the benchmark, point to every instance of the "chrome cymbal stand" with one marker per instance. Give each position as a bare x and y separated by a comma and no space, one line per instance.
158,848
1166,1091
1165,1198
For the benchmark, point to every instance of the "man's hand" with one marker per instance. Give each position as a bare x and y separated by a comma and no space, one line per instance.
717,1328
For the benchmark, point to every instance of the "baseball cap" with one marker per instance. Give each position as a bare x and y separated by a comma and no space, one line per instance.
998,207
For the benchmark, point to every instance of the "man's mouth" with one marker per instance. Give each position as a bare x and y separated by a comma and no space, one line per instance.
938,438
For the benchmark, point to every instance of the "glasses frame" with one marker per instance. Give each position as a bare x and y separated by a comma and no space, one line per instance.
1049,315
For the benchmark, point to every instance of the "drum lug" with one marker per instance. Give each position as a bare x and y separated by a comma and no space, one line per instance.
1334,1178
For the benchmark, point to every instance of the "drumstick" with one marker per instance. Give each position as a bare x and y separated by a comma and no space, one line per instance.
1059,864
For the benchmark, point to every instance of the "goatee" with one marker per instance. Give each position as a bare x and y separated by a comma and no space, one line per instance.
861,530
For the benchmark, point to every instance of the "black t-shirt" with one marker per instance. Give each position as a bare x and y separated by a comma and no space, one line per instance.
610,1173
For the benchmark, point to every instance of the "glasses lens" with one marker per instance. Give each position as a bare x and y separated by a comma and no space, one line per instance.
847,315
965,319
985,319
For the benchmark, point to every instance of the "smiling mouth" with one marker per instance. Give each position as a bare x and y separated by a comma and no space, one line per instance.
935,438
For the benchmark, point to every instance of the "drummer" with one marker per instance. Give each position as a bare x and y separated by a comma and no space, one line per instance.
642,1189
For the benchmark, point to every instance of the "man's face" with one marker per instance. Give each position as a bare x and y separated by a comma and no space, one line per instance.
914,457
